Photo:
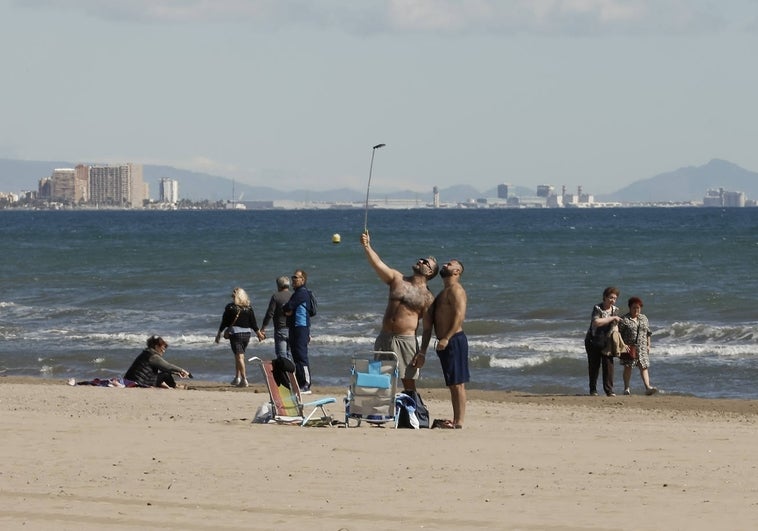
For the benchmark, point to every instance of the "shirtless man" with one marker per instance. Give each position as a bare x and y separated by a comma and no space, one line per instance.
446,318
409,300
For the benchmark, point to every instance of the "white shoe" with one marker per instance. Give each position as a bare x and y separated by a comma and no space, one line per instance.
242,383
236,381
627,391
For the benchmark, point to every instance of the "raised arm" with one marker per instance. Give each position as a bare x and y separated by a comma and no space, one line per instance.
385,272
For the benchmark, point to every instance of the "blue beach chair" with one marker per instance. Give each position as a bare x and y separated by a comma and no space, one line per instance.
373,385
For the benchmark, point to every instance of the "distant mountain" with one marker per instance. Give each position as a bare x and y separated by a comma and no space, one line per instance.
685,184
689,184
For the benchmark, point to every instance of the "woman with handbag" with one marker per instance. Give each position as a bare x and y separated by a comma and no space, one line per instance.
635,331
237,325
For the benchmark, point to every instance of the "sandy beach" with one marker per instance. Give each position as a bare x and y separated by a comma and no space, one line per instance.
90,457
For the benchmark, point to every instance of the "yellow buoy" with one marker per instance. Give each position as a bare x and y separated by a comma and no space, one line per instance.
336,238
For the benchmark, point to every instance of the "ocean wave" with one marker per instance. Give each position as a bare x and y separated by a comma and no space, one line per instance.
521,362
705,352
696,332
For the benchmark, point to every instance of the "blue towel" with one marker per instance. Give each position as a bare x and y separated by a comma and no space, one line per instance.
379,381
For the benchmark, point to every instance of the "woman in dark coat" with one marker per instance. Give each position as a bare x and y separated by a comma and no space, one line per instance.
149,369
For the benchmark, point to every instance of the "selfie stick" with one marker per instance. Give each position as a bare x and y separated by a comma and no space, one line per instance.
368,186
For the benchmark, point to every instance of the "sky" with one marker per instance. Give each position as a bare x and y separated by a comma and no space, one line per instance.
293,94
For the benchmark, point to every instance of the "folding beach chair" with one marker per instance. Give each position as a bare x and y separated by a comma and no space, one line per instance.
373,385
287,406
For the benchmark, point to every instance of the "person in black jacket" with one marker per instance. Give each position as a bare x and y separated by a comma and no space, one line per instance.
239,319
149,369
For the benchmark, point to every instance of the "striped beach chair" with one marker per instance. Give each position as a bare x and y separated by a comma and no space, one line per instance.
287,406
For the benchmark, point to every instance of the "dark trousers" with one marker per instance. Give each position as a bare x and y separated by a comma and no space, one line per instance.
165,377
300,336
595,360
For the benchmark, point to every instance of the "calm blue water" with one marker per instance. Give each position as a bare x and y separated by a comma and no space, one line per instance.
82,290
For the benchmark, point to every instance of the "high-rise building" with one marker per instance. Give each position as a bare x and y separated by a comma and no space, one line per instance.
169,192
544,190
502,191
734,199
724,198
68,185
44,188
117,185
81,176
62,185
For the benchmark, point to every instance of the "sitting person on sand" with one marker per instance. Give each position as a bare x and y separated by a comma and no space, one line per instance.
149,369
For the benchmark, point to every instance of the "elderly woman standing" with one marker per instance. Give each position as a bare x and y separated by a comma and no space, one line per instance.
239,318
635,331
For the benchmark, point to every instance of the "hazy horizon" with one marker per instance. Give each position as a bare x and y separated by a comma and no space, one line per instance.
598,93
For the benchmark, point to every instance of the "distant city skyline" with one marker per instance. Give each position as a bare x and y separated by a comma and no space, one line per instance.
718,182
122,186
113,185
597,93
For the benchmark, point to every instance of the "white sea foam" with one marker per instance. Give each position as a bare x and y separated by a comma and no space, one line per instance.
517,363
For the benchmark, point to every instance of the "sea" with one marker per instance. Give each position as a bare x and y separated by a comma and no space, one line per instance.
82,290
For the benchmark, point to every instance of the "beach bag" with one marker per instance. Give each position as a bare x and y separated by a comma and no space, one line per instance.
412,412
263,414
588,340
598,340
313,309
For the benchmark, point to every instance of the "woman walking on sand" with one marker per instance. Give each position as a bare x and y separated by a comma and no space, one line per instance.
635,331
239,321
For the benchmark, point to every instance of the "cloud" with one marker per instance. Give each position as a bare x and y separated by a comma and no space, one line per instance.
413,16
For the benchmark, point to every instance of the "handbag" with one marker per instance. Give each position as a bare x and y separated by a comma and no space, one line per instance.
631,352
228,331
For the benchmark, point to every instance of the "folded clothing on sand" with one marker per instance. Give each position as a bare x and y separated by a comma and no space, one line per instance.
110,382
